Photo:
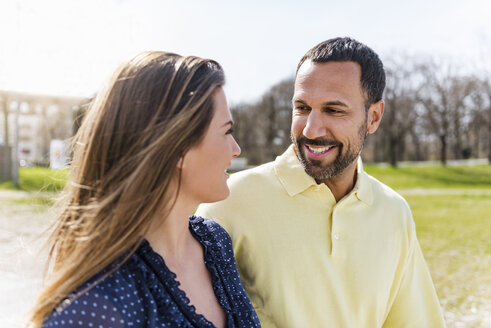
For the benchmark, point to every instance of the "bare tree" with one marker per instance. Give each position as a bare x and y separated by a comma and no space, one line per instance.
400,115
478,120
247,132
263,128
431,111
462,89
444,96
485,105
276,109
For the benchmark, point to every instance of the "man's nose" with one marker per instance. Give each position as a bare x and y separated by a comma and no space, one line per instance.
314,127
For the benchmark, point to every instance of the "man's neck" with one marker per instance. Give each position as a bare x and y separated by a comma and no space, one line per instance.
343,183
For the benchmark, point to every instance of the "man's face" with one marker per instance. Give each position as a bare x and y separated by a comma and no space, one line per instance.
329,122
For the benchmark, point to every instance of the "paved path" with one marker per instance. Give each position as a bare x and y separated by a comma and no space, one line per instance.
444,191
21,258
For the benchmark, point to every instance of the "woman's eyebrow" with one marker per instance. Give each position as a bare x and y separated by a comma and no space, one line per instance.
229,122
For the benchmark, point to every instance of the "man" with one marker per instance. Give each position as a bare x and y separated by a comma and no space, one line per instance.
318,242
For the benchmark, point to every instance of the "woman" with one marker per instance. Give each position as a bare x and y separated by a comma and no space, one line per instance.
124,253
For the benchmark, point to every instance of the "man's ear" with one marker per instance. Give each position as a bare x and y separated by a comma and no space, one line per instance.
375,113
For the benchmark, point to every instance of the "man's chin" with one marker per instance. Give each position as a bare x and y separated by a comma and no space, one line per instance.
317,172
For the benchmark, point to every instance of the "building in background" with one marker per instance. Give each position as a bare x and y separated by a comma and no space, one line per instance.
31,121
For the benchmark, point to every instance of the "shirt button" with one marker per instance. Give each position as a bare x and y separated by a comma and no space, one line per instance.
336,236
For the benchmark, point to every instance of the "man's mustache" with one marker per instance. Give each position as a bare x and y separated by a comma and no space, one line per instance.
318,141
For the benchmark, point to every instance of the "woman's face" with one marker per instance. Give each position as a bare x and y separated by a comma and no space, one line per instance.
204,176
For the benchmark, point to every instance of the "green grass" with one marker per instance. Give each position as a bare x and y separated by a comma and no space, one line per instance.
43,179
433,176
455,237
38,179
453,221
452,211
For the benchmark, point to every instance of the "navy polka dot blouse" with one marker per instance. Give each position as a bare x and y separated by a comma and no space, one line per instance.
143,292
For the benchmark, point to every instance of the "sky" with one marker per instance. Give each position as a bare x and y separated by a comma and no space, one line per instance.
70,48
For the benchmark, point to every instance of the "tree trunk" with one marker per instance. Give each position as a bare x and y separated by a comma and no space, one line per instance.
443,150
489,140
5,111
401,148
393,151
269,106
417,146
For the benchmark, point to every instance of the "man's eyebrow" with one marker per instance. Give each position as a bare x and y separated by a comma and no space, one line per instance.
334,103
296,100
326,104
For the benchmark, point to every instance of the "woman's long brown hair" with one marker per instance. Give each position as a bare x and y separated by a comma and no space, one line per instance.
125,154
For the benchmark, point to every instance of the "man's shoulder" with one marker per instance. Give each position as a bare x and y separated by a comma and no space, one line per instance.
253,177
390,209
261,171
248,188
384,193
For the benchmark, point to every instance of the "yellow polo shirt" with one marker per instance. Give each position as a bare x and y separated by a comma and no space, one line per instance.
307,261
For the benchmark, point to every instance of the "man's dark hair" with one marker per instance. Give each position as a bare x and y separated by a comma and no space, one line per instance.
347,49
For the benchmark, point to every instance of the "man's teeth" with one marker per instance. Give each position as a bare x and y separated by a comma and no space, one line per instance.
319,150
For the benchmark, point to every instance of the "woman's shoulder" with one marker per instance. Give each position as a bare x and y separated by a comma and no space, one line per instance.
219,257
94,306
215,240
209,232
112,298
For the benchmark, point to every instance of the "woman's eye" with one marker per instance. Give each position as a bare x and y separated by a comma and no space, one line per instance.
230,131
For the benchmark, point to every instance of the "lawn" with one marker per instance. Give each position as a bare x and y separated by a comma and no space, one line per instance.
38,179
466,177
452,210
477,177
455,236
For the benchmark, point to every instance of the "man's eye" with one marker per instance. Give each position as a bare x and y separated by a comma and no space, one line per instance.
301,108
333,110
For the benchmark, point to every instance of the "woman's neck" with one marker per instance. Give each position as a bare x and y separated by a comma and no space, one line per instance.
170,236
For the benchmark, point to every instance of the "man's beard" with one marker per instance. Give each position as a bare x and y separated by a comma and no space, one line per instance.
315,168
